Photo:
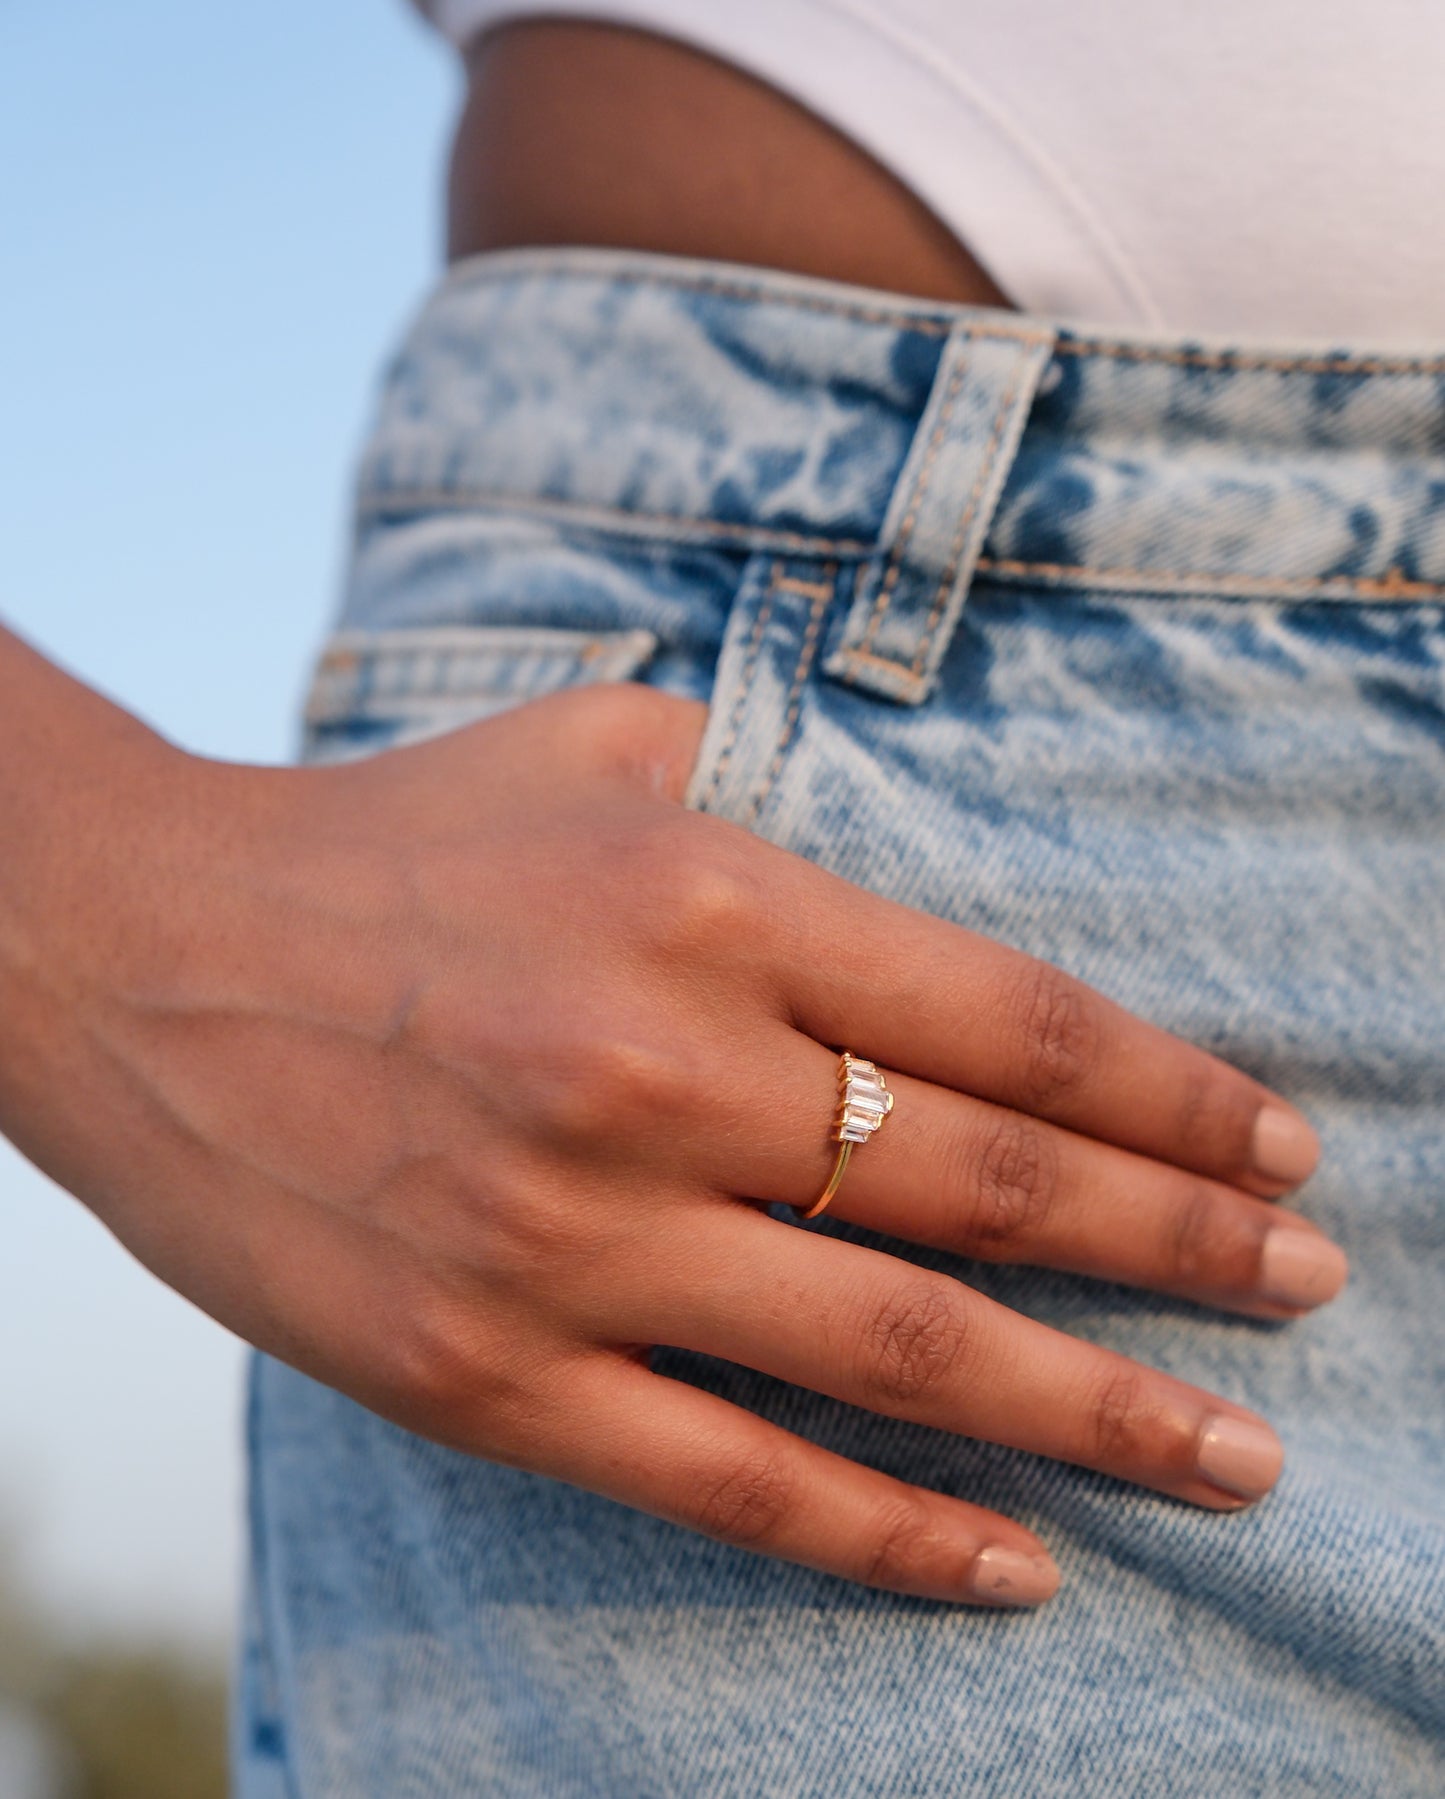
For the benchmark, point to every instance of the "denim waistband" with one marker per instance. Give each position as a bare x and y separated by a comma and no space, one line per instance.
934,445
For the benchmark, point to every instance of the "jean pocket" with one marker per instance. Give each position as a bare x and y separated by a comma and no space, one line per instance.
377,689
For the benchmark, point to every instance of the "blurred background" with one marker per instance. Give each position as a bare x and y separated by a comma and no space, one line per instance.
216,220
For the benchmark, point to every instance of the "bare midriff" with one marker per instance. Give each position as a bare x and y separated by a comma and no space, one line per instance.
579,133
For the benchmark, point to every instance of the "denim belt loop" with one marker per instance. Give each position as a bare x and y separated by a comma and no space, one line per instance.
911,591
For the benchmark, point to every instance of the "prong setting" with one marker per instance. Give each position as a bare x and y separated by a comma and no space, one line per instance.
864,1100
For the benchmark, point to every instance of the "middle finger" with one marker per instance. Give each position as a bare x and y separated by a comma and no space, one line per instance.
873,1331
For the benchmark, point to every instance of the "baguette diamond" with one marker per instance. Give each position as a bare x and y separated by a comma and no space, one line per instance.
863,1100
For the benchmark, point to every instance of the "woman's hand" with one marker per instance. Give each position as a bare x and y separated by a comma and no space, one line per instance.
456,1078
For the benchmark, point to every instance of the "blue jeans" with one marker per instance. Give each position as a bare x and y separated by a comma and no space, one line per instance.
1128,652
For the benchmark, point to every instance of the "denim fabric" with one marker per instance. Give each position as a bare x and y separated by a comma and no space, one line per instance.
1129,652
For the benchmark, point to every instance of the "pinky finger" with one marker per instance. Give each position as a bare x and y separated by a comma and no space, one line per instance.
685,1455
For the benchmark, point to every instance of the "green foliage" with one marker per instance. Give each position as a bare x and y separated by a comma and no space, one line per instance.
133,1723
141,1726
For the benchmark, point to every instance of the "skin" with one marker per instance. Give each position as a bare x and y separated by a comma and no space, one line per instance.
421,1080
579,133
417,1072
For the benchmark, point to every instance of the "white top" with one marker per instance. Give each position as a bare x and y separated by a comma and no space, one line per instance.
1270,169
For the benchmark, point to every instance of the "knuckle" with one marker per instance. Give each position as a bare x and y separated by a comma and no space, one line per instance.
911,1343
628,729
900,1543
615,1084
746,1504
450,1378
698,895
1120,1418
1016,1182
1196,1237
1060,1032
600,720
1214,1120
539,1232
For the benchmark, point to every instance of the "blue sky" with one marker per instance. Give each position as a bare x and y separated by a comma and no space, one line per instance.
216,221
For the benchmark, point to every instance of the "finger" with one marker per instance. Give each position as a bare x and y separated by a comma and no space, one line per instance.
686,1455
987,1181
874,1331
927,997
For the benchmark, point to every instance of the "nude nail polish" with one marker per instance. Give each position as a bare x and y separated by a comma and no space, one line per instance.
1010,1577
1300,1268
1241,1455
1284,1146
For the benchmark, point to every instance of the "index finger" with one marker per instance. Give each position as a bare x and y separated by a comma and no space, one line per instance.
933,999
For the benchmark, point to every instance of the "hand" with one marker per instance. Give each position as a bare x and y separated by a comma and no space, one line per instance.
459,1076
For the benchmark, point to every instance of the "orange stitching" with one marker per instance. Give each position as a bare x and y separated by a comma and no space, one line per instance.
955,549
901,668
905,674
405,499
808,589
910,518
760,623
1393,585
795,695
1341,364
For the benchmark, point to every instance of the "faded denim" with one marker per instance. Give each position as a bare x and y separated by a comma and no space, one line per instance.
1127,651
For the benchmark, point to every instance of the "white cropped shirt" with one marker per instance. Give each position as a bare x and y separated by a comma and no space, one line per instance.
1271,169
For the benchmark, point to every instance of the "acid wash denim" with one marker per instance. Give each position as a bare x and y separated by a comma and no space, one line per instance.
1125,651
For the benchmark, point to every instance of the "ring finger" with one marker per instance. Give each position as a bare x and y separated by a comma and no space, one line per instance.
986,1181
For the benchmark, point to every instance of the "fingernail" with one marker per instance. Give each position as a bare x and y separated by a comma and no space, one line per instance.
1242,1455
1300,1268
1009,1577
1284,1147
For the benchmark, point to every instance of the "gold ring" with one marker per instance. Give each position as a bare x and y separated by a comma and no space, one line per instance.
863,1103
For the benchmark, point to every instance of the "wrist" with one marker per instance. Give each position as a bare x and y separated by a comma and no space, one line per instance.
123,932
76,831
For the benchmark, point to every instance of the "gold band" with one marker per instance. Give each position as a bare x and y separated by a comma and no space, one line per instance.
844,1151
863,1103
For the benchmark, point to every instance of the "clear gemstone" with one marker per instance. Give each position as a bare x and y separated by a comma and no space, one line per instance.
873,1097
863,1102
